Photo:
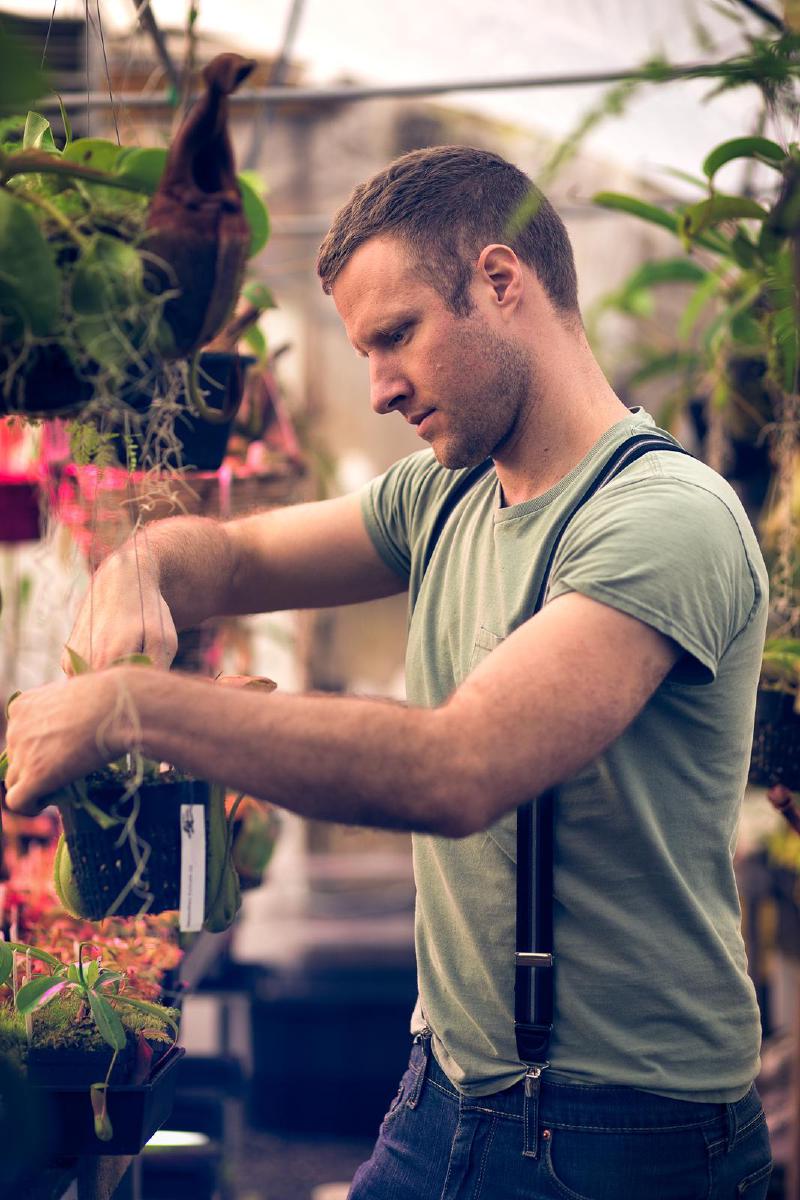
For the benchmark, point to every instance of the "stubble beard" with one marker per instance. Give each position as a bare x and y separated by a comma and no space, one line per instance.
488,408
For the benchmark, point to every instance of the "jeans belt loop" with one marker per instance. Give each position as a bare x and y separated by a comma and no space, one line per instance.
530,1111
424,1040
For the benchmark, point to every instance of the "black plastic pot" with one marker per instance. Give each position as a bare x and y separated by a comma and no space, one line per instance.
102,869
776,741
47,386
203,443
136,1111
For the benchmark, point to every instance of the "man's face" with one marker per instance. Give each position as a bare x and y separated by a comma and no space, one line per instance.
461,381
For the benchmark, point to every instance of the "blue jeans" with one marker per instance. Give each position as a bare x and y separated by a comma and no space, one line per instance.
583,1143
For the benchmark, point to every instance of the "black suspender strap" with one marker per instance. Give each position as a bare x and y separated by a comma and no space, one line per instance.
534,959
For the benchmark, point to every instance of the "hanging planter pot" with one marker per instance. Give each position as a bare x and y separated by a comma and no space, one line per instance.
20,509
776,740
197,443
161,847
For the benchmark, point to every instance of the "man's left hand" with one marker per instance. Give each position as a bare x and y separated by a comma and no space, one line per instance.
60,732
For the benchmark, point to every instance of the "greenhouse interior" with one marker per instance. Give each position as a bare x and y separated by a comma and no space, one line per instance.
412,808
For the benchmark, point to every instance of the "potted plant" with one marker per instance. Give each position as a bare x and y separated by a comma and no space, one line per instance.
75,1028
744,256
120,263
138,838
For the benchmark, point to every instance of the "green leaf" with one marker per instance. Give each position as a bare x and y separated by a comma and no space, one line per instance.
98,153
134,660
256,342
30,284
697,302
42,955
666,270
21,81
259,295
38,134
6,961
65,122
108,277
79,665
3,765
257,216
91,972
38,992
142,169
107,1021
745,254
655,215
151,1010
663,364
697,218
759,148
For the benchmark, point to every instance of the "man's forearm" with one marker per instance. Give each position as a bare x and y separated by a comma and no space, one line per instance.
351,760
190,560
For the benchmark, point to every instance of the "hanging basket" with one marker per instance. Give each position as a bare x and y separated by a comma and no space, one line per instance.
20,508
102,868
203,444
776,741
47,385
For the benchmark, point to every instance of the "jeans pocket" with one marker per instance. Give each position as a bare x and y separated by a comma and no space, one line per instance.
398,1104
756,1185
609,1165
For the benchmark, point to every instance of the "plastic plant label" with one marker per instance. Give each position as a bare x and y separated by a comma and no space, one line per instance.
193,868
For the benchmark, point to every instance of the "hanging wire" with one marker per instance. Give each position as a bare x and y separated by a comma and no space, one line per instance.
108,73
47,35
88,90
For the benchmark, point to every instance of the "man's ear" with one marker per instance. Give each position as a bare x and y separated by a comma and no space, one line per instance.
500,268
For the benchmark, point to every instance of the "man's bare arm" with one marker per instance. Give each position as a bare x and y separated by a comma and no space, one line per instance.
542,705
174,574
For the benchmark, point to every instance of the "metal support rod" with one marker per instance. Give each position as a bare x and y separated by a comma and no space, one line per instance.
346,93
147,20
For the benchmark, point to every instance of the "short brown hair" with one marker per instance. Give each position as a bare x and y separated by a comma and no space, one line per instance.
446,204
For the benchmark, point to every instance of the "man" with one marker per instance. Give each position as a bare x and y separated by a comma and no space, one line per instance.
632,689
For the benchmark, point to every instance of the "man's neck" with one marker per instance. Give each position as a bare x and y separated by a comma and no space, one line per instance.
552,440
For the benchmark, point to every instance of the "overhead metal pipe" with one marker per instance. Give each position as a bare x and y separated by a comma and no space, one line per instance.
347,93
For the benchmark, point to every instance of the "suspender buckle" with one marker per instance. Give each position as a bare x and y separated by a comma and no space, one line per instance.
533,958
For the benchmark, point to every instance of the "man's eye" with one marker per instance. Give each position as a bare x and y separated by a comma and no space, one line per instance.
398,337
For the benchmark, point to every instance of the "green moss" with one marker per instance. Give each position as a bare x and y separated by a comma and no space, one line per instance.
57,1026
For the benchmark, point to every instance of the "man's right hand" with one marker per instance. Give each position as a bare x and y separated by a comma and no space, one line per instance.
123,613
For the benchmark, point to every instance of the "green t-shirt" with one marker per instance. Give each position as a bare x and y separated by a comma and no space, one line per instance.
651,987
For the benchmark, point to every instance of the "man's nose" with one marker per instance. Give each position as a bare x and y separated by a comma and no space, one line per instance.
388,387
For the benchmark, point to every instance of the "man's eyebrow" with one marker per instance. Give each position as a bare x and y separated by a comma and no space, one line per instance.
380,333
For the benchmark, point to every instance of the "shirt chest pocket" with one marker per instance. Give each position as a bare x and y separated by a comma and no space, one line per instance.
485,643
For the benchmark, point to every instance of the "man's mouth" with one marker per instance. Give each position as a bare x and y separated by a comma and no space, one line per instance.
420,420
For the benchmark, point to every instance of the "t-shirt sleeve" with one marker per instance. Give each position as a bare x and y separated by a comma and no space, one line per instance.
670,553
390,506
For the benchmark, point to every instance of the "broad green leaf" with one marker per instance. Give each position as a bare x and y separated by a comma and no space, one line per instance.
79,664
256,341
697,218
38,134
6,961
29,280
257,216
91,971
107,1021
152,1010
98,153
21,80
666,270
142,169
74,974
109,276
655,215
745,147
38,992
747,331
259,295
42,955
744,252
